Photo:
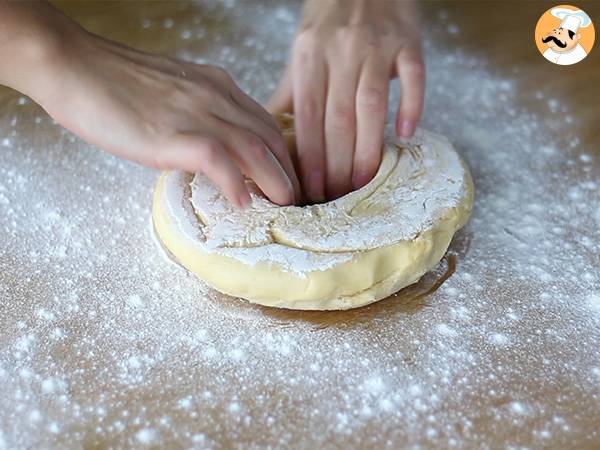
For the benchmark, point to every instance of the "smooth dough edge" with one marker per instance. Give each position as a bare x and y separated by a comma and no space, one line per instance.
368,277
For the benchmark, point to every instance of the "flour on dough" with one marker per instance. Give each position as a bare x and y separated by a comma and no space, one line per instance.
342,254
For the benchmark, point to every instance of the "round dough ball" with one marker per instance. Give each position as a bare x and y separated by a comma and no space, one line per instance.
342,254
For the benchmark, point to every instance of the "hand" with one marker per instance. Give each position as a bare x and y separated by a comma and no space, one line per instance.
337,83
164,113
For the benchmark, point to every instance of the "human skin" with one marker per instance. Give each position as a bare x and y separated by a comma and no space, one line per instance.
151,109
171,114
336,83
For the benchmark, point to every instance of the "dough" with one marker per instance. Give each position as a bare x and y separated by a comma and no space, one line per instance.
342,254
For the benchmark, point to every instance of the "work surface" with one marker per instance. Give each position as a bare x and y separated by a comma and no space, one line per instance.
103,342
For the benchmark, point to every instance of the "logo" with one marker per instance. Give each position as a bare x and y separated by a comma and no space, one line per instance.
564,35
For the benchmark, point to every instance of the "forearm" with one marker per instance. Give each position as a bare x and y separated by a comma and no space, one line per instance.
337,83
32,36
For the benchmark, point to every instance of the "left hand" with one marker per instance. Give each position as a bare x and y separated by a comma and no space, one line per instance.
337,83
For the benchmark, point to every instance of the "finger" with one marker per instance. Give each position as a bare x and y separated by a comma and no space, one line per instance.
371,113
340,129
231,91
257,162
309,91
197,153
255,119
253,108
412,81
281,100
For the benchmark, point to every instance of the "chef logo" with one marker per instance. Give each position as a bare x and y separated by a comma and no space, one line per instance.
564,35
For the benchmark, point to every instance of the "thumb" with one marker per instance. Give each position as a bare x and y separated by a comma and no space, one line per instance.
281,100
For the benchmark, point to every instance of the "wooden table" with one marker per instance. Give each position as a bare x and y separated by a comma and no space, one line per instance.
503,32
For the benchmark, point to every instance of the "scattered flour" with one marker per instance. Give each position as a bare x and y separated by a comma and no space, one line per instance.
147,436
499,339
518,408
593,301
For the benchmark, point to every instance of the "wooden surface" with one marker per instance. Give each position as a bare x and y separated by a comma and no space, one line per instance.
504,32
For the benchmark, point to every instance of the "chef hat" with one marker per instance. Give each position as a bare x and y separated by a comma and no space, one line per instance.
571,19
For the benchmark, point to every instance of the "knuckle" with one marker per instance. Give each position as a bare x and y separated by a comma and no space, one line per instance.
348,33
202,93
255,148
275,141
210,153
208,92
372,99
306,49
306,40
308,111
273,124
220,73
415,68
343,117
184,103
355,37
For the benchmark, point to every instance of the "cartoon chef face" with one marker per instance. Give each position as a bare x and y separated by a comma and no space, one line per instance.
561,39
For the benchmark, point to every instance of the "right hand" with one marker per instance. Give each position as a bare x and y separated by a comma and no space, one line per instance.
168,114
337,82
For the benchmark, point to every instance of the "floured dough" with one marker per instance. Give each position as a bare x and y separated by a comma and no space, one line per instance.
338,255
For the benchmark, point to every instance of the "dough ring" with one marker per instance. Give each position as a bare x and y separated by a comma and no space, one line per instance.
342,254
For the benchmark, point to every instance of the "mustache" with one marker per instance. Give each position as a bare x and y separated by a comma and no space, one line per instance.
555,40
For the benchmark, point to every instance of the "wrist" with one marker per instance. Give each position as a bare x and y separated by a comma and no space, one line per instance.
355,12
36,42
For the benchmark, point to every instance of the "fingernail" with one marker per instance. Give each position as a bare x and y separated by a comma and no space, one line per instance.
407,128
360,178
244,200
290,196
291,193
315,186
